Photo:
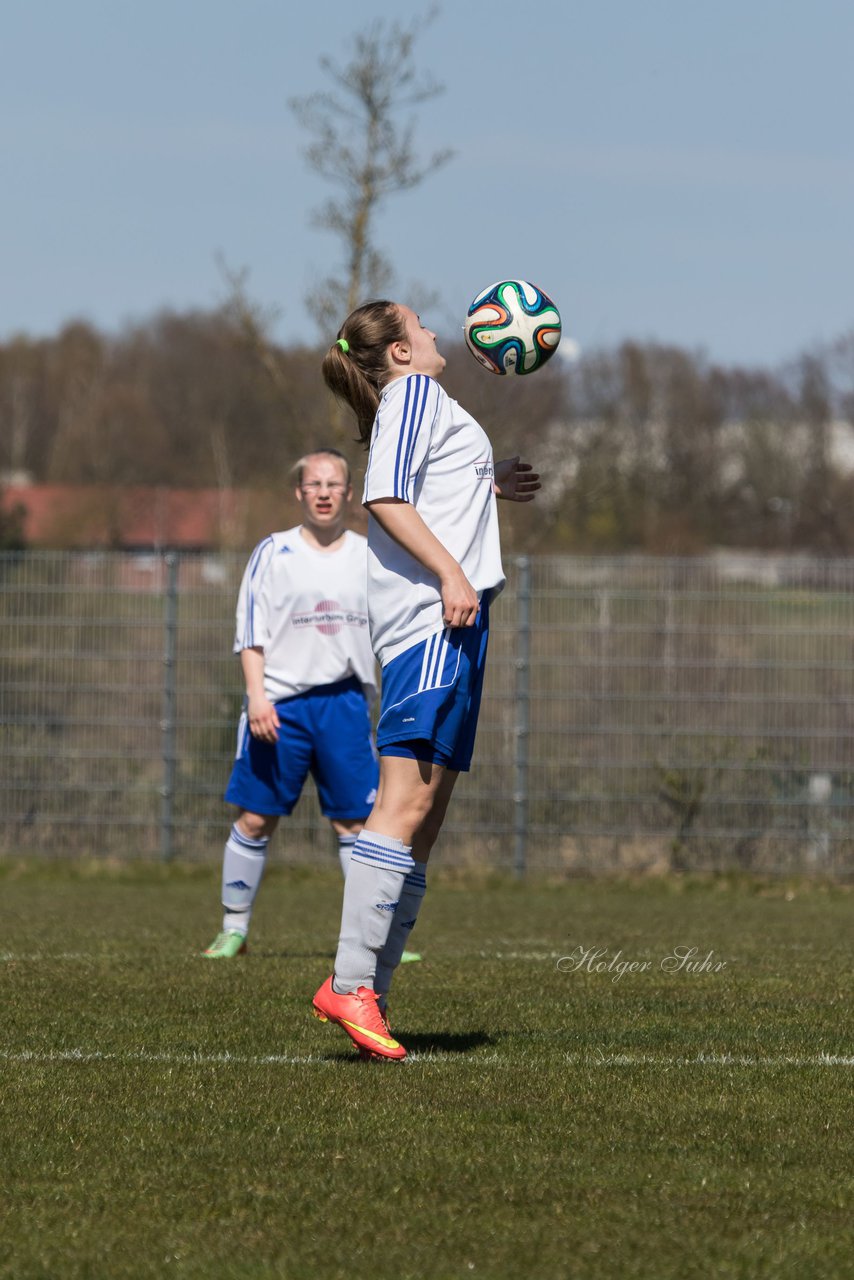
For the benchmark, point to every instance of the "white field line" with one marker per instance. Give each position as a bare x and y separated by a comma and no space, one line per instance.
164,1056
291,1060
38,957
710,1060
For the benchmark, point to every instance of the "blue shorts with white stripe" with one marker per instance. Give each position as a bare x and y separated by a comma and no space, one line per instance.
326,732
431,696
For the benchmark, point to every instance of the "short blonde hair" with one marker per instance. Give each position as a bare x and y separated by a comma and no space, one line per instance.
300,465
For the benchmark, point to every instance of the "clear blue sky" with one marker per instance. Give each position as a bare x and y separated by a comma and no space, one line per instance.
666,169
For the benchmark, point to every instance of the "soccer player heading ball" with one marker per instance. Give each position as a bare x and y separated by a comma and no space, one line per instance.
434,567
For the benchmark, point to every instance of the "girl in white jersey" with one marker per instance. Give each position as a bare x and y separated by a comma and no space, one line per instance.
302,637
434,564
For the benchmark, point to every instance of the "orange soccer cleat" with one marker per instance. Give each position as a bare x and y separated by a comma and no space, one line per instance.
359,1015
365,1054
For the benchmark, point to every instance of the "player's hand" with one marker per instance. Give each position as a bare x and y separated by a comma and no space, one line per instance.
459,600
516,481
263,720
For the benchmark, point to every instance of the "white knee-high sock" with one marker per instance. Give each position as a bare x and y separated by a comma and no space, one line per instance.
242,868
378,866
402,924
345,848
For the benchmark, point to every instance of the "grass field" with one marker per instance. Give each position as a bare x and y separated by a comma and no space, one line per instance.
163,1115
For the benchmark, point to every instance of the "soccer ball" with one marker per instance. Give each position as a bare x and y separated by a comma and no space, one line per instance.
512,327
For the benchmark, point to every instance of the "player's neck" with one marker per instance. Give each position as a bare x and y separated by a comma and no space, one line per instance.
408,371
323,538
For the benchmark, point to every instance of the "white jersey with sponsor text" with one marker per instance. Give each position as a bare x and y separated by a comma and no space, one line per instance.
307,610
428,451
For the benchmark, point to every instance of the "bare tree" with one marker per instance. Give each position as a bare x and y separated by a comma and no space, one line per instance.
363,142
251,321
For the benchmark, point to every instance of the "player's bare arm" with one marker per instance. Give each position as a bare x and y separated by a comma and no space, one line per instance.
402,522
263,718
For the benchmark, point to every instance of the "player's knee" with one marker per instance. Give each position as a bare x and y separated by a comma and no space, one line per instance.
347,826
408,816
257,826
428,831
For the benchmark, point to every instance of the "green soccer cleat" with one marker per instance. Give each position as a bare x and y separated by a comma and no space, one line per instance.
227,945
409,957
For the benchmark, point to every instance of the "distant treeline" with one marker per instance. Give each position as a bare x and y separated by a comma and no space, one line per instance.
642,448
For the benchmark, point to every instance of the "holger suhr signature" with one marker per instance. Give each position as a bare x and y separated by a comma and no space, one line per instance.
687,960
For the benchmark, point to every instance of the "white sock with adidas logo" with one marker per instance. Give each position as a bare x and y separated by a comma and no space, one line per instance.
242,868
403,922
378,867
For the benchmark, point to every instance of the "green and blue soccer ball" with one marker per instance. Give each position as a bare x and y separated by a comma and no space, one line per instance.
512,327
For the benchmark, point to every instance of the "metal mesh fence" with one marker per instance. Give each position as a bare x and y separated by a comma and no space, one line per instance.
639,713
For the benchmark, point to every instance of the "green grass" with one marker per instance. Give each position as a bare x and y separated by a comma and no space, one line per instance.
163,1115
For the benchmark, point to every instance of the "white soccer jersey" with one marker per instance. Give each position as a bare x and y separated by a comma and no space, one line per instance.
307,610
428,451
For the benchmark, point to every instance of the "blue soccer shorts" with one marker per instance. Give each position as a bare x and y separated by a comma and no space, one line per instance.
431,696
325,732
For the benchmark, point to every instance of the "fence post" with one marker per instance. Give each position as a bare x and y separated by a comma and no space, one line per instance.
522,710
167,723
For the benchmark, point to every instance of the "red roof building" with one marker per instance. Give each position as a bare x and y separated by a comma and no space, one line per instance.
147,518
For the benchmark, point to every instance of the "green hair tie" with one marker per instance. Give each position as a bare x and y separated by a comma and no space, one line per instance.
343,344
